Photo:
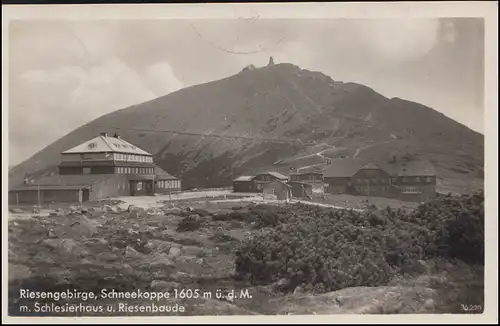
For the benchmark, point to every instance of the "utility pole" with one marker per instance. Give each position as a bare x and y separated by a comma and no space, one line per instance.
169,192
38,194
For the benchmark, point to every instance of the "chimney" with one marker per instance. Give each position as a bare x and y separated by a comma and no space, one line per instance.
104,134
271,61
116,135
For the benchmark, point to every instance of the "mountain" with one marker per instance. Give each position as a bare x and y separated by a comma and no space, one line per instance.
278,117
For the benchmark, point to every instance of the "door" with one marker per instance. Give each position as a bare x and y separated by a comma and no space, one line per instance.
132,188
86,195
149,187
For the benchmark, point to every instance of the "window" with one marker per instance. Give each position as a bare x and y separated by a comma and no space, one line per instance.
428,179
86,171
405,179
417,179
139,186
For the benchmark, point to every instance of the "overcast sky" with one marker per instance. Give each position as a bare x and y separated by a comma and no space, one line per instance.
64,74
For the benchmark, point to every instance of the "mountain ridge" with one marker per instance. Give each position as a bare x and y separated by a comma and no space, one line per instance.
233,125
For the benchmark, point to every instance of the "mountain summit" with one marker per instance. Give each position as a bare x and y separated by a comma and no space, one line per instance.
278,117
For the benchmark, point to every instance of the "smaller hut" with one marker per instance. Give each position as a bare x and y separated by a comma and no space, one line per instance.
280,189
301,189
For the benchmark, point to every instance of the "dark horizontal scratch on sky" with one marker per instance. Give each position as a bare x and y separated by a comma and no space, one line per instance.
220,48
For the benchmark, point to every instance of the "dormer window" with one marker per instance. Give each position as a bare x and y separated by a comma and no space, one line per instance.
92,145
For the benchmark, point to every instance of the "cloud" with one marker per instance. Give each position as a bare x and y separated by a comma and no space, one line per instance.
161,79
400,39
74,96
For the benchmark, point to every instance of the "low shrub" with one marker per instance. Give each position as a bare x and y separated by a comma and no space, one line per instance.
324,250
189,223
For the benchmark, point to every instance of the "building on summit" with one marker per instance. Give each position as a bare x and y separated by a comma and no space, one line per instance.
102,167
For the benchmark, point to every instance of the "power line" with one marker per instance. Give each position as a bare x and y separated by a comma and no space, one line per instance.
278,140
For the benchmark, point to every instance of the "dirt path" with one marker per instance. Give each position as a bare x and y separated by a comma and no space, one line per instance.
155,201
368,146
260,200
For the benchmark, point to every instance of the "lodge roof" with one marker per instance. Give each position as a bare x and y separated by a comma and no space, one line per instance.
162,174
104,143
244,178
276,175
349,167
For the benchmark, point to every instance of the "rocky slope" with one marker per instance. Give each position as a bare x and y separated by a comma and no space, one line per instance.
252,120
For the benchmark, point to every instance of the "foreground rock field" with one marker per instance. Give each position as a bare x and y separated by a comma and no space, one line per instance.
193,247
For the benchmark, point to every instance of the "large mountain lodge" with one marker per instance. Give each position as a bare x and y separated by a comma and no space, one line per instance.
404,180
102,167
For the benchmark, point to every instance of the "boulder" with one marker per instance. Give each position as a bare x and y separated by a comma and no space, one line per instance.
159,261
132,253
18,272
180,277
84,226
16,210
172,211
154,212
421,267
191,250
107,256
111,209
185,259
68,246
160,246
161,285
133,208
174,252
133,214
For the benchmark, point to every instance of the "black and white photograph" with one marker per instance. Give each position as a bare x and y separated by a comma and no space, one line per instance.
169,161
